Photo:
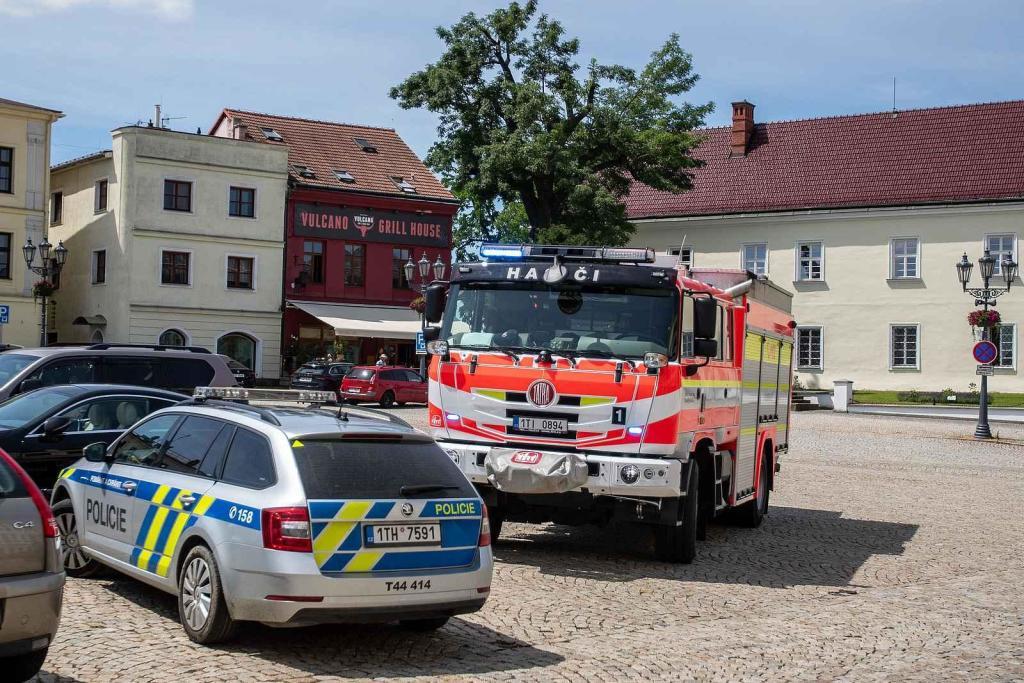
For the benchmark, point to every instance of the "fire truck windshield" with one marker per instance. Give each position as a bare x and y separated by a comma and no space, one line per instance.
624,322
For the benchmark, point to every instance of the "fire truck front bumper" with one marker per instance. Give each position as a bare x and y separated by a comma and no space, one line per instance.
608,475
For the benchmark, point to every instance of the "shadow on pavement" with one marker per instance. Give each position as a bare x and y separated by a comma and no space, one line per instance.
794,546
366,650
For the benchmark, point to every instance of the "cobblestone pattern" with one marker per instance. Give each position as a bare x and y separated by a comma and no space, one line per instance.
892,551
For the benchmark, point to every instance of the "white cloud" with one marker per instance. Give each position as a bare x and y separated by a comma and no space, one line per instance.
173,10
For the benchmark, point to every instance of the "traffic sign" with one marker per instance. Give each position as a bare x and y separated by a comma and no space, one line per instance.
5,314
421,344
985,370
985,352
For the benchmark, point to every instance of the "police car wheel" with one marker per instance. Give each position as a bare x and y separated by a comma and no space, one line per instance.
201,606
75,560
678,543
423,625
24,667
387,400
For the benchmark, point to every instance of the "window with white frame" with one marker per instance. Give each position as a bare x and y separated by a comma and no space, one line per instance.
1001,248
685,255
755,258
905,259
810,261
904,346
808,346
1005,339
99,266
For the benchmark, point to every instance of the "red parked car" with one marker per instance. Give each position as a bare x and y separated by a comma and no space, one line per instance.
386,385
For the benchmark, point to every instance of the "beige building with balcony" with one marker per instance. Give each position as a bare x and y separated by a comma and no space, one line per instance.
863,218
24,188
174,239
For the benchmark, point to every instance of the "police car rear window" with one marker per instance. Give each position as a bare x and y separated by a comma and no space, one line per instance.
332,470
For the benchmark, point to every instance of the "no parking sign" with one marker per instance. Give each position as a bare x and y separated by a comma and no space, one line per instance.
985,352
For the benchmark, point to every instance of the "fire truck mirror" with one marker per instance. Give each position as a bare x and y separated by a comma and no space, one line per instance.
705,348
433,307
705,320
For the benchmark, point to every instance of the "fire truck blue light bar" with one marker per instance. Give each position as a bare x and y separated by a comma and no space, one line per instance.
498,251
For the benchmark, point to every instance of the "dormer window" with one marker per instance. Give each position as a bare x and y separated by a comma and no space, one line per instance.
304,171
403,184
272,135
366,145
344,176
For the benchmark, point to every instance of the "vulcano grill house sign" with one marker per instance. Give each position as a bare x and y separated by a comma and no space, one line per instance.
324,220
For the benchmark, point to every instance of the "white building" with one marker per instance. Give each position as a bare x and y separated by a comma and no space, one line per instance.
174,239
24,160
863,218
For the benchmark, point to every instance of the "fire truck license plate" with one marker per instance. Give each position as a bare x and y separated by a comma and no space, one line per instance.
404,534
540,424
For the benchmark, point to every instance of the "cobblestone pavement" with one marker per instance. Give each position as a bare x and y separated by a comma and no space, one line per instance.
892,551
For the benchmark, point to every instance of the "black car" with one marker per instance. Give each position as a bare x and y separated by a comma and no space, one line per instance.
45,430
322,376
243,374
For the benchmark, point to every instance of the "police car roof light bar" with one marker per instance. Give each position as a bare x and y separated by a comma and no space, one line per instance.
568,253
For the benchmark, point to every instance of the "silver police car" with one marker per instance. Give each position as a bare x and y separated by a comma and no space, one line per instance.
281,515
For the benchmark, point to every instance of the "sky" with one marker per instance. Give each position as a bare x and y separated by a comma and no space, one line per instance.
105,63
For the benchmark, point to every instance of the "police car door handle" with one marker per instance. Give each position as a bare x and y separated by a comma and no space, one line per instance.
129,487
186,500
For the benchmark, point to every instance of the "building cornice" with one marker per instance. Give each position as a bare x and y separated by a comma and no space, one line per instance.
1007,206
206,237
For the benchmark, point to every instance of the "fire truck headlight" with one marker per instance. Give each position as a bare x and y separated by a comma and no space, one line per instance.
438,347
655,360
629,474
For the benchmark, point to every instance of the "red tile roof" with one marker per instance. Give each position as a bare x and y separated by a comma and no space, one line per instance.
949,154
324,147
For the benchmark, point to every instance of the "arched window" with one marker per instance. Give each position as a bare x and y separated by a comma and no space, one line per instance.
239,346
172,337
97,337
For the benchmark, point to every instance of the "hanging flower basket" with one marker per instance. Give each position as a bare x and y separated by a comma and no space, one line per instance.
418,304
981,318
43,288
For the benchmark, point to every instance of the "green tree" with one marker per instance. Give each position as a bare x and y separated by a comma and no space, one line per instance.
526,131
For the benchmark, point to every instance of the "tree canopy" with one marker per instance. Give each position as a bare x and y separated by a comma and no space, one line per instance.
537,145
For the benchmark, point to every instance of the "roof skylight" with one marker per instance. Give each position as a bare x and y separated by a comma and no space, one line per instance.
344,176
304,171
366,145
272,135
403,184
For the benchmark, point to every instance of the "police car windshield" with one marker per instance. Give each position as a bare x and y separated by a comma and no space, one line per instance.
335,469
18,411
623,322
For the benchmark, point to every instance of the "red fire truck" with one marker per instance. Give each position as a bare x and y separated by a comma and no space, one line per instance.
586,384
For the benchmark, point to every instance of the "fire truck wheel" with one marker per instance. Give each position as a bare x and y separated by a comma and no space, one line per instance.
679,543
753,513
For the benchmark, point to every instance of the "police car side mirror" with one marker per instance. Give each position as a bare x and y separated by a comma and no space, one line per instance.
95,452
433,308
705,319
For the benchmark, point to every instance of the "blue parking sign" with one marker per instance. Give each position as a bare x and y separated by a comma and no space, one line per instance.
421,344
5,314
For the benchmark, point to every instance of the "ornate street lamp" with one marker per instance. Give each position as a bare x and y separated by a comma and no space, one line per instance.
438,268
985,296
424,267
49,269
424,264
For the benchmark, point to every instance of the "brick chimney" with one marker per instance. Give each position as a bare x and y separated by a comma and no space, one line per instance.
742,127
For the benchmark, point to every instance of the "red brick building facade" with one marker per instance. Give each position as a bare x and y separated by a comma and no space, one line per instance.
360,205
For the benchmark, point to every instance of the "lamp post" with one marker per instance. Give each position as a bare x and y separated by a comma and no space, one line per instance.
985,296
48,268
424,268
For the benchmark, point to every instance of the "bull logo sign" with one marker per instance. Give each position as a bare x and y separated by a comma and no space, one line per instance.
541,393
363,223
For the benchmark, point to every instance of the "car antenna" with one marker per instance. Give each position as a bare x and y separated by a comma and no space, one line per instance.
342,415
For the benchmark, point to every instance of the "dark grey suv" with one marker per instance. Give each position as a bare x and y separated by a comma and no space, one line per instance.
178,368
31,574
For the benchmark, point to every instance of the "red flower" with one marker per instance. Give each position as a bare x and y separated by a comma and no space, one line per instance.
981,318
